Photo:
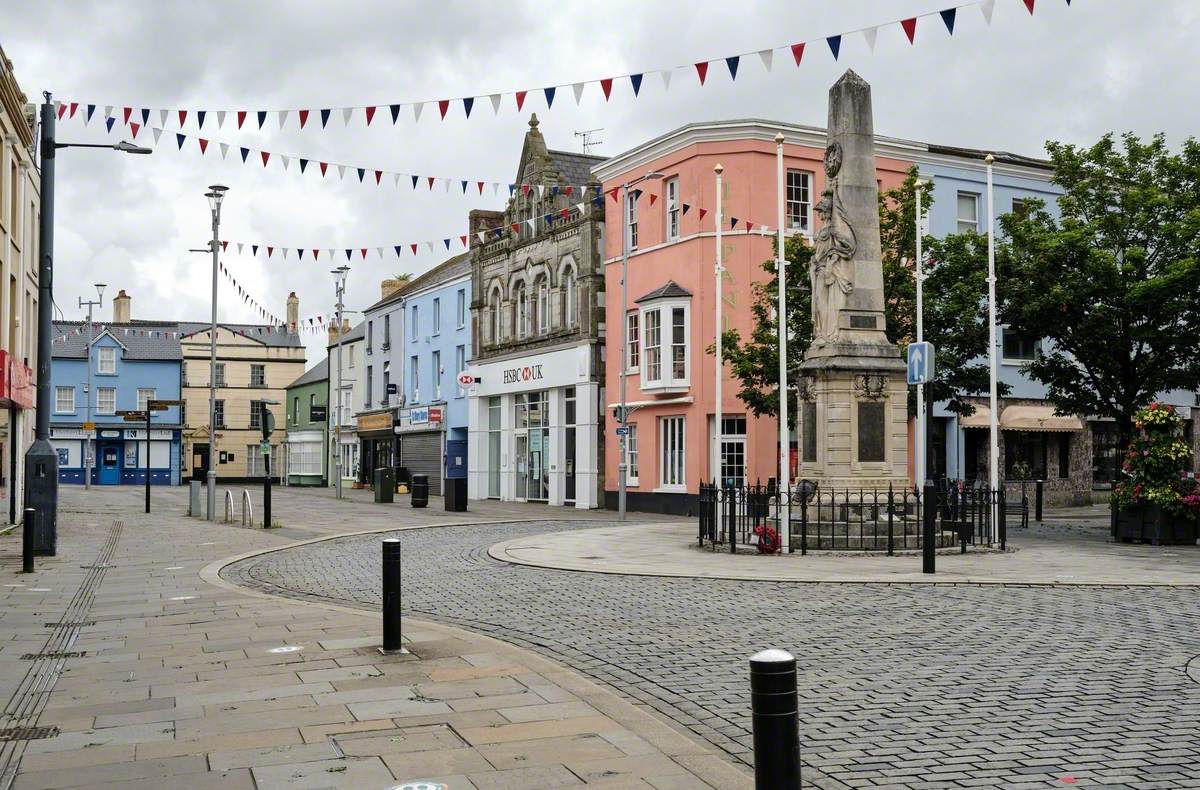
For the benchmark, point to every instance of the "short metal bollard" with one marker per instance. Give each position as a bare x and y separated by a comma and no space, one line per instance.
27,540
929,523
391,595
194,498
775,710
1038,495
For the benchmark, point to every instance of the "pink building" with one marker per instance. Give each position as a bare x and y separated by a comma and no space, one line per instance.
672,296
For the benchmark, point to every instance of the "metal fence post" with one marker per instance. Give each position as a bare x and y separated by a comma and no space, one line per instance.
391,595
891,541
27,539
775,712
803,523
1037,500
929,519
733,517
1003,521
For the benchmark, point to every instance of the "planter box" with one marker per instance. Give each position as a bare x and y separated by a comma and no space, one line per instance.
1148,523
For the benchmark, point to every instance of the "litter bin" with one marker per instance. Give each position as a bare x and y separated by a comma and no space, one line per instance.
420,490
454,492
385,485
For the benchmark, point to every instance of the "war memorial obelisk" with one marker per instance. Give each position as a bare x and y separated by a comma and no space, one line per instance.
851,373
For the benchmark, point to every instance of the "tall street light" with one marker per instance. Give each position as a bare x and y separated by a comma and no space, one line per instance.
339,287
623,409
215,195
41,459
90,428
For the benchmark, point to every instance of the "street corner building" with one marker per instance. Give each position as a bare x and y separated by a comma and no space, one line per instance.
414,414
538,329
307,407
100,370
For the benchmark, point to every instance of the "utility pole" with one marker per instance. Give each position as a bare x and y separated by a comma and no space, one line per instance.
339,285
89,430
215,195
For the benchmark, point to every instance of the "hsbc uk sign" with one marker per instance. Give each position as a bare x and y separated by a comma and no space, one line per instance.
523,374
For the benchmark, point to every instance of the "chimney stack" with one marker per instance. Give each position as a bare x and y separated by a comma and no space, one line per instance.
121,307
334,334
479,219
391,285
293,312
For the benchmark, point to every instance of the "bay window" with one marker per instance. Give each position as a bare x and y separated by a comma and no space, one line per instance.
665,346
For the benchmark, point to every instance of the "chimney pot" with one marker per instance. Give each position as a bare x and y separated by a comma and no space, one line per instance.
122,307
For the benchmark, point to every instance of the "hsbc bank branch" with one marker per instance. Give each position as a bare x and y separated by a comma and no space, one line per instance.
534,425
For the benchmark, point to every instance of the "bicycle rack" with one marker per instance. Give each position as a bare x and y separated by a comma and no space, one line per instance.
228,507
247,509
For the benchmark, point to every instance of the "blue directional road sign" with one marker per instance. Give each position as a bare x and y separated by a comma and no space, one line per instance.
920,363
621,431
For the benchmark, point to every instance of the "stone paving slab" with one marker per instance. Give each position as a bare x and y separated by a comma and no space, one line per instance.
183,683
1036,556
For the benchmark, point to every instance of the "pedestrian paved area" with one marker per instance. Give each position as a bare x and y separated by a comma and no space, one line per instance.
901,686
1054,553
141,672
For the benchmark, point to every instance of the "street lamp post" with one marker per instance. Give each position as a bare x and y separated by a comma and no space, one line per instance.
215,195
87,453
339,285
623,409
41,459
994,417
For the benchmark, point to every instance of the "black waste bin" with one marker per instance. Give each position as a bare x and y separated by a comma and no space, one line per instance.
385,485
454,492
420,490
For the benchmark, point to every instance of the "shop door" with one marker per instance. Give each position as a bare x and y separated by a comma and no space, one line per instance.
421,454
522,459
110,464
569,476
199,462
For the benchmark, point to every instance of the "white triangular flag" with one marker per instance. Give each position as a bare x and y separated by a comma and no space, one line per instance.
987,6
379,251
482,236
495,97
108,111
869,34
331,253
396,180
666,78
417,110
580,207
347,114
224,150
429,244
495,187
157,133
239,246
162,118
285,162
541,190
283,114
285,253
220,118
767,56
341,172
578,88
532,224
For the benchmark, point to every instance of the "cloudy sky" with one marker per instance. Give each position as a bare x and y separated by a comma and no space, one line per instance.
1066,73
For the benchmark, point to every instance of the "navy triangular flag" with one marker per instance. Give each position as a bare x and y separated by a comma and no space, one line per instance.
468,103
948,19
636,81
109,122
324,118
395,108
835,44
200,118
245,153
397,249
732,63
348,254
262,118
361,173
300,253
446,242
686,208
91,108
733,221
464,186
303,164
549,96
179,138
414,180
145,116
254,249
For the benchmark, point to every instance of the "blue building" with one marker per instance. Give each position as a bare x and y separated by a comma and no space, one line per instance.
131,363
418,339
1077,455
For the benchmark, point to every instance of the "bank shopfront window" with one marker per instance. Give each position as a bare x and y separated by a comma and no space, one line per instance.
532,445
494,447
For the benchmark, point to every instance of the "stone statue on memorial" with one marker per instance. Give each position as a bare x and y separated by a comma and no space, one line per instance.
833,250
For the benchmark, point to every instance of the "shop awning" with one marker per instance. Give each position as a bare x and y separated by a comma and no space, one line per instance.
1037,418
979,419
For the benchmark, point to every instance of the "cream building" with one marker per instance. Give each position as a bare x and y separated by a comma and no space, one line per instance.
255,362
20,213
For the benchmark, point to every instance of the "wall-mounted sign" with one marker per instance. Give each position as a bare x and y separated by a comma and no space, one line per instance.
435,413
466,379
563,368
392,389
317,414
380,421
224,458
110,434
418,416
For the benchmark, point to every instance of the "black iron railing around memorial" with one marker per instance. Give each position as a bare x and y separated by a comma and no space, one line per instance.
886,520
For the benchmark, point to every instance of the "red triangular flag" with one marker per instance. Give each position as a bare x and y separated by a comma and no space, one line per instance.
520,99
524,189
431,179
703,211
463,239
203,145
443,105
182,117
413,247
135,126
370,114
127,111
910,27
224,245
364,253
324,167
1029,5
516,227
749,226
74,107
612,193
62,110
241,118
798,52
702,71
265,156
653,197
269,251
565,213
303,118
378,175
606,86
316,254
480,185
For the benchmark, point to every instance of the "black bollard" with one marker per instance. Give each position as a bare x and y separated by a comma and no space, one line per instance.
774,706
1037,500
27,535
391,595
929,521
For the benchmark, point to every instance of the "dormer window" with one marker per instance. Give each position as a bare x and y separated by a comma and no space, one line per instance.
665,319
106,359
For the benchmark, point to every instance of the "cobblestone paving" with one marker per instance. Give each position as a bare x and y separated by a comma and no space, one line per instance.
900,687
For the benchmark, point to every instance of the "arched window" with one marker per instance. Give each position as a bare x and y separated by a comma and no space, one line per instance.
543,305
522,311
570,297
494,303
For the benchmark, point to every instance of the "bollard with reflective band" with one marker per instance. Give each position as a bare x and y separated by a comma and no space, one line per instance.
773,704
27,540
391,595
929,524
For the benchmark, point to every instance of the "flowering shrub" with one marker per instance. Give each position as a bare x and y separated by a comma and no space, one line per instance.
1153,470
768,539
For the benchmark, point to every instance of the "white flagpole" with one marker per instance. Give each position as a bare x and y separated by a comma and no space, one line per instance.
718,270
780,264
919,444
993,420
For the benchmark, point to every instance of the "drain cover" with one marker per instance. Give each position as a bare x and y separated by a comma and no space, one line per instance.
60,654
27,733
419,786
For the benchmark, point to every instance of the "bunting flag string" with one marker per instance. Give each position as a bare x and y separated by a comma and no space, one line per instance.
461,243
99,329
136,116
247,299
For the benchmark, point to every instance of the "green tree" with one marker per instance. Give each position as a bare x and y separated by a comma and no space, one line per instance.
1113,283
